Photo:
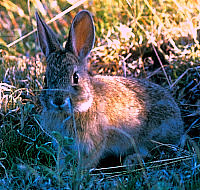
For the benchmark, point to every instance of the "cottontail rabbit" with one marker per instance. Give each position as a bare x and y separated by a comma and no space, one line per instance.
113,115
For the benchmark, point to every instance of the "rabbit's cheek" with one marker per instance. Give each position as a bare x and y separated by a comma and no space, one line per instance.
44,99
84,105
83,100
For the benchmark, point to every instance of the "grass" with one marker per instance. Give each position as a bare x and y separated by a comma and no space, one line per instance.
131,35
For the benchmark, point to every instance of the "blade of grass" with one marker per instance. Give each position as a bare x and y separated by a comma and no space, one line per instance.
48,22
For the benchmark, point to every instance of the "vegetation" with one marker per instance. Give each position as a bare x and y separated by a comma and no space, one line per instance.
157,40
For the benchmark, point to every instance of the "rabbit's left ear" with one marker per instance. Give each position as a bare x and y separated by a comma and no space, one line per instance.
81,35
47,39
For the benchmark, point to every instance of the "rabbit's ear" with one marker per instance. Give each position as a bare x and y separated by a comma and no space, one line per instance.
81,35
47,39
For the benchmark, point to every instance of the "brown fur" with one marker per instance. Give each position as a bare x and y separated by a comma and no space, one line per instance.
110,112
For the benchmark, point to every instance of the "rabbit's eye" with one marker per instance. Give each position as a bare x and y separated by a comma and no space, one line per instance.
75,78
45,82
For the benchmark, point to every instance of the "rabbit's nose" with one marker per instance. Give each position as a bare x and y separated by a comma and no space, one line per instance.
61,103
58,101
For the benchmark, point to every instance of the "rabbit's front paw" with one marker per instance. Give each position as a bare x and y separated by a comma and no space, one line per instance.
132,160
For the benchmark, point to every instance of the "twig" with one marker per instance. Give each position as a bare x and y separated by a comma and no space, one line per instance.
48,22
179,78
161,65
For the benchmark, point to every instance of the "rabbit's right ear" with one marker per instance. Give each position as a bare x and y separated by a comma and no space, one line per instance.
47,39
81,35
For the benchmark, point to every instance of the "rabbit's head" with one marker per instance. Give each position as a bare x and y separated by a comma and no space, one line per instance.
67,80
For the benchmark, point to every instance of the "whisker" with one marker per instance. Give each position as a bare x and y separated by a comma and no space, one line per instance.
56,89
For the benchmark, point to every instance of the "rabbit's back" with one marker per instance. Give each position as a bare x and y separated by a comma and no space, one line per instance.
140,107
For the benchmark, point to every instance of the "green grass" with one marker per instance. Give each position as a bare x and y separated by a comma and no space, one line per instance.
126,32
